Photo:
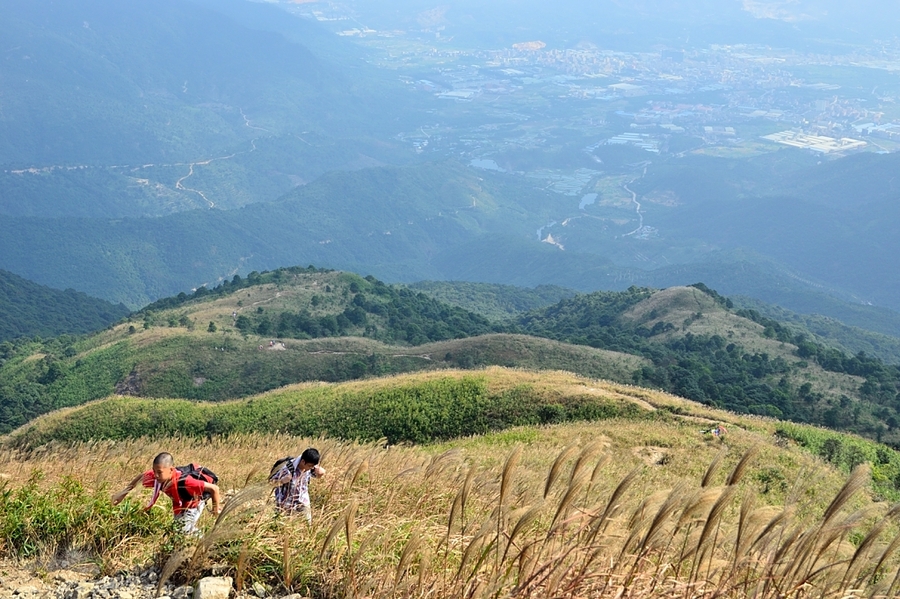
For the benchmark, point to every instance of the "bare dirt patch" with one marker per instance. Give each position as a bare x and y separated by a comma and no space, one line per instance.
652,456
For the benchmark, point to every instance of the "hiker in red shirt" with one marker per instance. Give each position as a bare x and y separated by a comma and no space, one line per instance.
187,486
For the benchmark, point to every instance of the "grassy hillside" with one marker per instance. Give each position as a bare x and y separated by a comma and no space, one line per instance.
412,408
28,310
302,324
437,406
270,330
704,349
571,509
504,301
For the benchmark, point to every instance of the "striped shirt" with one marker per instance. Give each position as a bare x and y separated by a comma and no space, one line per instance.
292,494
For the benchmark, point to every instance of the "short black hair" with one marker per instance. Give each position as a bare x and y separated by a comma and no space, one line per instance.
310,456
164,459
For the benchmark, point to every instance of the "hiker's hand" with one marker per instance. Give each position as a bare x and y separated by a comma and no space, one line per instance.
118,497
217,509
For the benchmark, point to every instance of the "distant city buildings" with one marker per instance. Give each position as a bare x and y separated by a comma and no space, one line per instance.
816,143
727,98
643,141
886,131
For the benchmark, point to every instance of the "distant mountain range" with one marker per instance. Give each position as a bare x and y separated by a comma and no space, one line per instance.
114,109
447,221
99,82
131,173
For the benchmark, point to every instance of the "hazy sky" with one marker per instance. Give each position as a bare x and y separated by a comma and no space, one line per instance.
690,21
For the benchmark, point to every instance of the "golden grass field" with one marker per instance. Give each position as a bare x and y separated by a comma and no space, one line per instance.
615,509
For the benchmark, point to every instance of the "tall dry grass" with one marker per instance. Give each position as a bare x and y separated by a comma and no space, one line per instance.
553,517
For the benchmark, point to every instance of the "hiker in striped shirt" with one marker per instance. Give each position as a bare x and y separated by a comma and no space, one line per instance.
291,482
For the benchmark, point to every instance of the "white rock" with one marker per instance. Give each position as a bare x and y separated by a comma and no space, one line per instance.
213,587
25,590
259,589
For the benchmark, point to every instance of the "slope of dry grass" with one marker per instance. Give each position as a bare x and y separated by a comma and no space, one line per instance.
618,508
696,313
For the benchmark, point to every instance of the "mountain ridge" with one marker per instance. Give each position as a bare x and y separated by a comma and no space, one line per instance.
275,328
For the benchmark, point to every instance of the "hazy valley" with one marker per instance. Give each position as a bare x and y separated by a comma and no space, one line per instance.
601,297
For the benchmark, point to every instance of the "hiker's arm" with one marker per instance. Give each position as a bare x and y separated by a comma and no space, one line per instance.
216,497
118,497
282,476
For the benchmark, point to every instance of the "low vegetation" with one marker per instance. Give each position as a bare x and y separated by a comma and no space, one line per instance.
409,409
249,335
172,363
616,508
434,407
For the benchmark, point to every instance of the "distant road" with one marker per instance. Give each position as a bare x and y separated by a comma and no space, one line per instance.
178,184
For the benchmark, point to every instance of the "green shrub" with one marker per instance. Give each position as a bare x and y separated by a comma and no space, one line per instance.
35,522
846,452
420,412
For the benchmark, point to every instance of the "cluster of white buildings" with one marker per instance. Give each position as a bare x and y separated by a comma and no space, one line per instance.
816,143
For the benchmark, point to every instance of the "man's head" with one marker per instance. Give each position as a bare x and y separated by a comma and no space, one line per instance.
163,467
309,459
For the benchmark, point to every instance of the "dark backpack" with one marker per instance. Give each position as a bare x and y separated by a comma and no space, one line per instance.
197,472
283,489
279,463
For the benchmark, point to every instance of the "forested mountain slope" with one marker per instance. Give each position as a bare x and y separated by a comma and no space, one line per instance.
702,348
28,309
122,109
269,330
275,328
99,82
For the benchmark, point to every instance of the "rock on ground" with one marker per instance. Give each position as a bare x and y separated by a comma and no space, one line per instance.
213,587
19,582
